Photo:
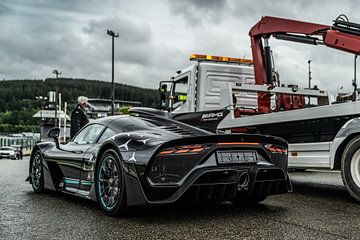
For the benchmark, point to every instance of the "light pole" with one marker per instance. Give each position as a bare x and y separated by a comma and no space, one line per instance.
113,35
309,62
57,73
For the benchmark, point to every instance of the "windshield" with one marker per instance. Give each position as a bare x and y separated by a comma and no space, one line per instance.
89,134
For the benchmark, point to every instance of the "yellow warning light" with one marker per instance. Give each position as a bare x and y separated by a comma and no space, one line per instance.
202,57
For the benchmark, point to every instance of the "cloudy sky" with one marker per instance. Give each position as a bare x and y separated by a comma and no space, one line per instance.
157,37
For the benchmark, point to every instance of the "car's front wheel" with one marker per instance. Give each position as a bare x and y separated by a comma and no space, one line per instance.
350,168
37,173
110,183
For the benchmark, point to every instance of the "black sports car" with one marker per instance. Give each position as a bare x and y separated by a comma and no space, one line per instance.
124,161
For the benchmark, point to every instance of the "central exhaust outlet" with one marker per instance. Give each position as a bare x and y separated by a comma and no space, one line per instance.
244,180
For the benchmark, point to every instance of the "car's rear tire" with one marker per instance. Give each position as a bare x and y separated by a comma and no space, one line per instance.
350,167
37,172
110,184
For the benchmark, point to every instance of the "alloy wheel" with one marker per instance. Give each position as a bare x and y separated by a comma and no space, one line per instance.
36,171
109,182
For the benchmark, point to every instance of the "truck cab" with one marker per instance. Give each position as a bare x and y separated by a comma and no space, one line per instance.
198,87
193,95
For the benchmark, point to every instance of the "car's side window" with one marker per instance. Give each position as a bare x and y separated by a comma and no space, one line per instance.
108,133
89,134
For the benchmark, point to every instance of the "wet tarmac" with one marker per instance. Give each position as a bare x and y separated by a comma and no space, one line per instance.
319,208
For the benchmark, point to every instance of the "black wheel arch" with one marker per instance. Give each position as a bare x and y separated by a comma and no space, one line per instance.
106,146
34,150
341,148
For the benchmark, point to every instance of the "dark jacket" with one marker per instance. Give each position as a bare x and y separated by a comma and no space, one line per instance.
78,120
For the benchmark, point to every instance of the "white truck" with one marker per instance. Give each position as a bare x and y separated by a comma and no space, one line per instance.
241,95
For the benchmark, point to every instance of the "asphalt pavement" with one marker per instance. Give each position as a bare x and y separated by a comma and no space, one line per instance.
319,208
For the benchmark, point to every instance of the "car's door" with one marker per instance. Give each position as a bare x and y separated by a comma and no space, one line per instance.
70,156
90,158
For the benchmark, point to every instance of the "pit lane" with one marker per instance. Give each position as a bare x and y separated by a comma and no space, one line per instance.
319,208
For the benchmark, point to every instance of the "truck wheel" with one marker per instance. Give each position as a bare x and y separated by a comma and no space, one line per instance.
350,168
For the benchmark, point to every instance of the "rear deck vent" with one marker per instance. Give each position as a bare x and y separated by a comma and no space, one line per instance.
176,129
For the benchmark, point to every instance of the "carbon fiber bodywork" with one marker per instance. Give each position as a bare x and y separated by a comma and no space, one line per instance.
165,161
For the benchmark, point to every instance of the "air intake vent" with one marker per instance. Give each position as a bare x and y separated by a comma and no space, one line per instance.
176,129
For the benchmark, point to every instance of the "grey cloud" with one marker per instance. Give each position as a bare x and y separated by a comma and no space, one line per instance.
156,38
305,10
58,5
129,31
35,43
4,10
208,4
134,42
195,12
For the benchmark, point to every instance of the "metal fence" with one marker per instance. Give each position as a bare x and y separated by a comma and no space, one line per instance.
26,142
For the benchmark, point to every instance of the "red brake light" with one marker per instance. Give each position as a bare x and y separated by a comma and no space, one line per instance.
237,143
276,149
187,149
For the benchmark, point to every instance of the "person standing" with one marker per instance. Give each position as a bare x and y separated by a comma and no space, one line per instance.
79,117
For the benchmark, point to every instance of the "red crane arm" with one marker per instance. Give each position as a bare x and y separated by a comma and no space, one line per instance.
343,41
343,35
268,26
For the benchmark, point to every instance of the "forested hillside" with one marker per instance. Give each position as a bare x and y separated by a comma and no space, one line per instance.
18,103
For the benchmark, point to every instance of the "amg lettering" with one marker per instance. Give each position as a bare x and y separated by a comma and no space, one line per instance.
211,116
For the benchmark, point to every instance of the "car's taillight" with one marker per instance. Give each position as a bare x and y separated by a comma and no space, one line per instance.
276,149
188,149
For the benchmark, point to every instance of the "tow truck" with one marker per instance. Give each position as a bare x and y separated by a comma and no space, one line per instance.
231,95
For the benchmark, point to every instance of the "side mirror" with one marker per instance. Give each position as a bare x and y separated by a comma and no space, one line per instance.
54,133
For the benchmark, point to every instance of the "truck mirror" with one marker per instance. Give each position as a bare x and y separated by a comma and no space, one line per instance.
163,88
